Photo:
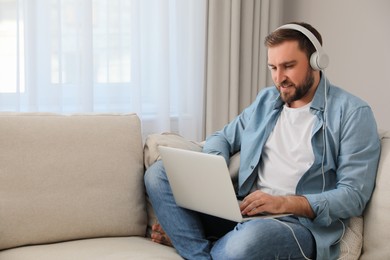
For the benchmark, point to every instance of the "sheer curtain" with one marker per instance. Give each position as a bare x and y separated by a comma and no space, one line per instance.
237,58
98,56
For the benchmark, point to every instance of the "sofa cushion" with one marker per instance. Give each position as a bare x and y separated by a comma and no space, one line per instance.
94,249
70,177
153,141
351,243
376,217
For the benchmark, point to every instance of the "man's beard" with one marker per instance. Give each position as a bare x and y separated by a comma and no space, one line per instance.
300,90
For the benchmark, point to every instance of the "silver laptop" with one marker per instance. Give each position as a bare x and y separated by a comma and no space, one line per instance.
201,182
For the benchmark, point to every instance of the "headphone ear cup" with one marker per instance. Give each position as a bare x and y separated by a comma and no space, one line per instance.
314,61
319,62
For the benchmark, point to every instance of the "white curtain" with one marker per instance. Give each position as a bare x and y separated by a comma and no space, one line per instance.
98,56
237,58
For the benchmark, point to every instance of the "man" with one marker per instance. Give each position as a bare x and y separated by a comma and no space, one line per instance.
307,148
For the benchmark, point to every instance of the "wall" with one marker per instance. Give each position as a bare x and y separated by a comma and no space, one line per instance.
356,36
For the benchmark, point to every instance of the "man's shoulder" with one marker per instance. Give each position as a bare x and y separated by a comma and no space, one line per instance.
270,93
342,97
269,90
343,105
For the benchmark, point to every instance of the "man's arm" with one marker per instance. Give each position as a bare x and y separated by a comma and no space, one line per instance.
348,192
227,141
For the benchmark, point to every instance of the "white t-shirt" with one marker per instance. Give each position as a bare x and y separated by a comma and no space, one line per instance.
288,153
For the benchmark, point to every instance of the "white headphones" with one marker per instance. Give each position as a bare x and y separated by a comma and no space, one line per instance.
319,60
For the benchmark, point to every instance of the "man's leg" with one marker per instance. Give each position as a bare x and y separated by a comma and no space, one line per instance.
266,239
183,227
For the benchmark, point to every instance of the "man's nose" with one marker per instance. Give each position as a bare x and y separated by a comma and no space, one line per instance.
279,76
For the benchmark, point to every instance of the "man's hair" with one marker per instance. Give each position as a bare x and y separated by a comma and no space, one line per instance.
281,35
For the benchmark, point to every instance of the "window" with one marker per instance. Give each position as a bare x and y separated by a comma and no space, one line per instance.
121,56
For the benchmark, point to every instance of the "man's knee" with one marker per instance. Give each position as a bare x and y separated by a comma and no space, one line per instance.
154,175
241,243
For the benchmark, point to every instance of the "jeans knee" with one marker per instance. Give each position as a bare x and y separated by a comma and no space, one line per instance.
246,241
233,250
154,175
235,245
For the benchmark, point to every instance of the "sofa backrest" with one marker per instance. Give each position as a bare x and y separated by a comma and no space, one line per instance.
70,177
376,233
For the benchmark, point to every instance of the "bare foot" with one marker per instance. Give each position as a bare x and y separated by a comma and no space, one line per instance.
159,236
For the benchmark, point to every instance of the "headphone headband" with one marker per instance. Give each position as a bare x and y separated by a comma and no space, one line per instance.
319,60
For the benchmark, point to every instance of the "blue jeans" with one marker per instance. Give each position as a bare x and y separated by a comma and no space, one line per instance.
190,232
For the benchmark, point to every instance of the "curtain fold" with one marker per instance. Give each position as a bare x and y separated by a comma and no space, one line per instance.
236,63
99,56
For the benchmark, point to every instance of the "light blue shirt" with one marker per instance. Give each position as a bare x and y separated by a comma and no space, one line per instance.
352,149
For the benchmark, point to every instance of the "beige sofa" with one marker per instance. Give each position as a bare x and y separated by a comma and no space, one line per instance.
71,187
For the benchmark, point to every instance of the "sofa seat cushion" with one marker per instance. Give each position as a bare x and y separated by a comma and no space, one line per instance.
70,177
94,249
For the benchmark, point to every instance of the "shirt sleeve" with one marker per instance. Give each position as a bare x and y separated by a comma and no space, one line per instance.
227,141
355,169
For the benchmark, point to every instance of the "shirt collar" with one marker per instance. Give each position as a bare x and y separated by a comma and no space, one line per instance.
318,102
